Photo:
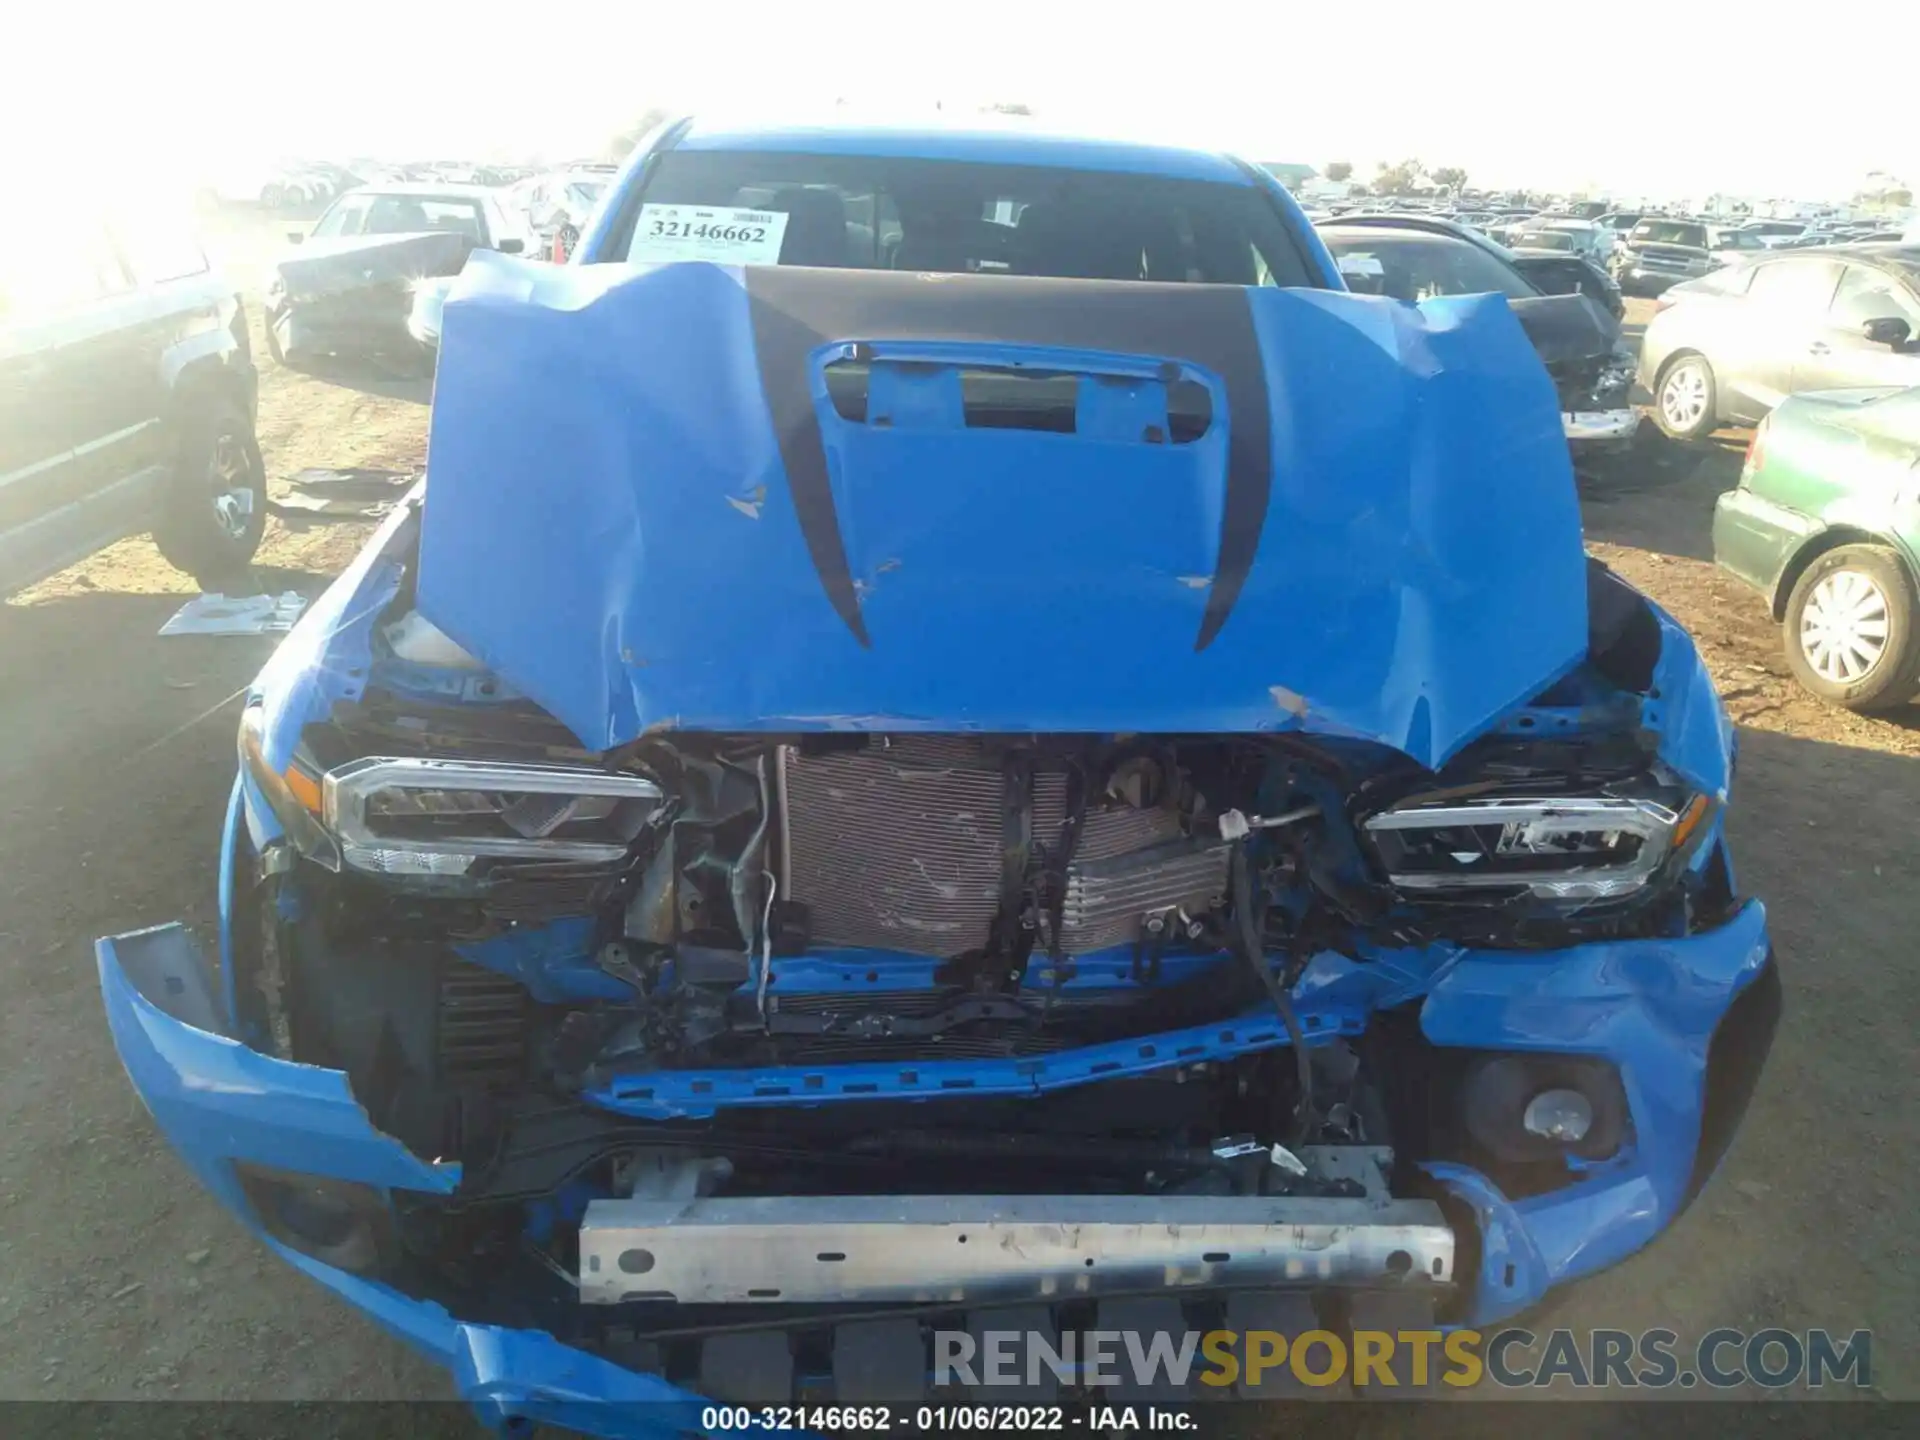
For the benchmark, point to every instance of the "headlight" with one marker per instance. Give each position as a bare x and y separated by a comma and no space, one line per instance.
432,817
436,817
1555,848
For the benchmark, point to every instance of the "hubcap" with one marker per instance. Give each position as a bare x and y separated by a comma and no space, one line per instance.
1843,629
230,474
1683,399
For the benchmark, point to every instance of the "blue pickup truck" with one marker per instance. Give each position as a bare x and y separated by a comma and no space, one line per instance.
958,739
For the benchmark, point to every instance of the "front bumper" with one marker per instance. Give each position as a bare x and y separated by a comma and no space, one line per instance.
1601,429
360,323
1687,1022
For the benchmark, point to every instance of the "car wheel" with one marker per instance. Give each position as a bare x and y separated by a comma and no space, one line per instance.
1685,402
1849,629
214,509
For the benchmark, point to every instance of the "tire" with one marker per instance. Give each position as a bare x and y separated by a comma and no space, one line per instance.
1837,605
214,508
1686,400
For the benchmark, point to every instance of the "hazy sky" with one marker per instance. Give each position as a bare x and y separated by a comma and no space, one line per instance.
1712,98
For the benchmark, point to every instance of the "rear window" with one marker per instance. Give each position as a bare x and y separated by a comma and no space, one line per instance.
903,213
1728,280
1670,232
1410,265
1795,287
1543,240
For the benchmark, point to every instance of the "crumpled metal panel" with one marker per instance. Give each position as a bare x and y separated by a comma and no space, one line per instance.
612,524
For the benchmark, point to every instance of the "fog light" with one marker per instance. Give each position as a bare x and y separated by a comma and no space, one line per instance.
1524,1109
1564,1115
341,1223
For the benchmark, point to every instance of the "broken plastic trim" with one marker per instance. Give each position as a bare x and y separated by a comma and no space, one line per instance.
233,1102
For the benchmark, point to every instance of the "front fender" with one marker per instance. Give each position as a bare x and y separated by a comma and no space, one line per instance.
217,1100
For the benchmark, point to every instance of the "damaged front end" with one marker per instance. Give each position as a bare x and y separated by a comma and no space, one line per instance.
738,1058
1591,367
358,294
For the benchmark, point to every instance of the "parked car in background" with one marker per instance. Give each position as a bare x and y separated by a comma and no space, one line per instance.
1574,237
1824,525
1415,258
1733,246
614,936
1774,232
127,393
1731,346
349,286
1658,252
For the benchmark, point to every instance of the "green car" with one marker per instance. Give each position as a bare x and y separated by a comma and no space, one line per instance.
1826,523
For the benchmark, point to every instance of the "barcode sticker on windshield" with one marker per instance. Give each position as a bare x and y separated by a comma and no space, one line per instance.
700,232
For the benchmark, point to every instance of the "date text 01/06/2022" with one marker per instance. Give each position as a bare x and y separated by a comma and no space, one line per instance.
956,1418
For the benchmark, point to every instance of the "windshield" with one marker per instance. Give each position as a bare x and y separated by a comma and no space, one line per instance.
1411,266
1671,232
900,213
584,192
1543,240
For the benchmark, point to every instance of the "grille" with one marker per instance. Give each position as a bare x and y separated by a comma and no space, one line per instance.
1664,261
483,1025
897,847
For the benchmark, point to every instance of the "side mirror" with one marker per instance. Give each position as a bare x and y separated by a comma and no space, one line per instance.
1888,330
294,237
511,246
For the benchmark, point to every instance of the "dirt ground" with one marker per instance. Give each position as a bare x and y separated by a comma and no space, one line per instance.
119,1278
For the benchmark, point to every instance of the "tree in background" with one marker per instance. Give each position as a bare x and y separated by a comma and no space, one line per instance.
1884,191
1395,179
621,145
1451,176
1338,170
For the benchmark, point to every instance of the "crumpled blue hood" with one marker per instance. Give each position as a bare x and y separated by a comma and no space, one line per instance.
647,510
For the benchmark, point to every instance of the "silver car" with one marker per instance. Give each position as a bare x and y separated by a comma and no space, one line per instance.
1728,347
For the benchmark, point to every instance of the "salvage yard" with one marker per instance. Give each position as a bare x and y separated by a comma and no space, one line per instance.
121,1278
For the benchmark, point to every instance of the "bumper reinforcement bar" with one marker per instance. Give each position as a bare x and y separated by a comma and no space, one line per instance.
938,1248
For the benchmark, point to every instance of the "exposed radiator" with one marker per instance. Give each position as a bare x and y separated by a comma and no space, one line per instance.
897,847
